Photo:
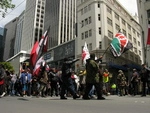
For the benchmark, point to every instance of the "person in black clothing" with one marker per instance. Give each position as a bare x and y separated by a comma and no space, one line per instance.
134,82
67,83
144,78
54,79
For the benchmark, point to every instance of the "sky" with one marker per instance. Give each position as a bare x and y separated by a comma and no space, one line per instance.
129,5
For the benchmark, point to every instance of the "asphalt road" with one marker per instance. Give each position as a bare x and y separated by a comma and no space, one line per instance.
112,104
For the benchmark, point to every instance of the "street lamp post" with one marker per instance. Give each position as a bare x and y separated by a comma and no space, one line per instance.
144,47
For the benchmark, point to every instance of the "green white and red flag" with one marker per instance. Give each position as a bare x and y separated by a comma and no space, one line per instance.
120,44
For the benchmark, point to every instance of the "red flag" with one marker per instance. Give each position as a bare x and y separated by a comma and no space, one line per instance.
42,47
148,36
39,48
37,67
33,55
85,53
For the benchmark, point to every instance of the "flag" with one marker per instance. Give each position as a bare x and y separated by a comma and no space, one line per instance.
42,47
148,36
85,53
120,44
39,48
33,55
37,67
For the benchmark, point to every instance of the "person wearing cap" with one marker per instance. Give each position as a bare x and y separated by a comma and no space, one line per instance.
134,82
121,83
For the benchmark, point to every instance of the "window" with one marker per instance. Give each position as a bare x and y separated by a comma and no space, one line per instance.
135,50
100,30
90,20
110,34
100,45
117,27
138,34
117,16
129,36
139,43
99,17
133,30
148,14
134,40
123,22
129,27
98,5
81,11
109,21
109,10
82,23
85,9
82,36
124,32
86,21
90,32
90,46
86,34
139,52
89,7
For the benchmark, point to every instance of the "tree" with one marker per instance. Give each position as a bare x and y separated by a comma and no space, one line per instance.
4,5
7,66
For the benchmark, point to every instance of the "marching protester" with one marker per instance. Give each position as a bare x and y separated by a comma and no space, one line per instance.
29,82
134,82
13,81
67,82
144,74
121,83
82,77
23,81
92,78
54,79
106,82
43,80
2,81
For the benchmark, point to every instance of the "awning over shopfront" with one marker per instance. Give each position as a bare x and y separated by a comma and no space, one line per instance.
133,66
117,66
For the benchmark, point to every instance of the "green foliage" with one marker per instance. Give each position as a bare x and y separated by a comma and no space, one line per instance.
7,66
4,5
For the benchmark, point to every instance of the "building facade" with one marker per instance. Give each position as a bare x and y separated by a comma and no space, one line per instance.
33,24
60,16
10,38
2,42
17,46
98,22
144,20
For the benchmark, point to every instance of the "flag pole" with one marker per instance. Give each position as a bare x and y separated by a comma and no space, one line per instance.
106,50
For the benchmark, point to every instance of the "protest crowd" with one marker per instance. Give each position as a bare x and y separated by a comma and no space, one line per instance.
90,82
